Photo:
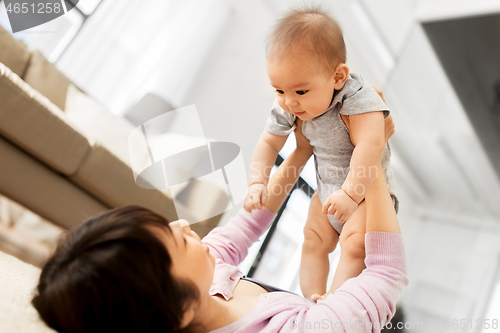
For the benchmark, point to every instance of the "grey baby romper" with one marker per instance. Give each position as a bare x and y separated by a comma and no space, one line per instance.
329,137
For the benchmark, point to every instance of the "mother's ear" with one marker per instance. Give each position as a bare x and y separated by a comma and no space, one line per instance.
340,76
188,316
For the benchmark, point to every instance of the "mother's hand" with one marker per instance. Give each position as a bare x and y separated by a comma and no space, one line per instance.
389,128
388,122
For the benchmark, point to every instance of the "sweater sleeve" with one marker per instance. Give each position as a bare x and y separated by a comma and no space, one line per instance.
230,243
367,302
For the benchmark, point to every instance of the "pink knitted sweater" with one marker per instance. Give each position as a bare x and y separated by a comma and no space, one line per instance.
362,304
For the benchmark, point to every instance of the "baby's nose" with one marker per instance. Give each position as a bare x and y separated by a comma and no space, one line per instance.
291,102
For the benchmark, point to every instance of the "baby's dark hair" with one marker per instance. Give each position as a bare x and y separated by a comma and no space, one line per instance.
113,274
314,31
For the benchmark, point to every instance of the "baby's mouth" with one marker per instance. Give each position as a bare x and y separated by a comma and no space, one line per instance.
299,113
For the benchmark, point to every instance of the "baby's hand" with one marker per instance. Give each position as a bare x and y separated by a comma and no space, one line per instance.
256,197
340,205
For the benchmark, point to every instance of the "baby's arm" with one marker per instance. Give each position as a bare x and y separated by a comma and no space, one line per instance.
231,242
264,156
367,135
369,138
283,180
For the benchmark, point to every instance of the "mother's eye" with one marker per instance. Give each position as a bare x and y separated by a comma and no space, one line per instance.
281,92
301,92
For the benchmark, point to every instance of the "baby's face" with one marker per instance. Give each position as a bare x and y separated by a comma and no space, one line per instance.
302,87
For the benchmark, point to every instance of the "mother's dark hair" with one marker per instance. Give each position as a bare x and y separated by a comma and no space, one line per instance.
112,274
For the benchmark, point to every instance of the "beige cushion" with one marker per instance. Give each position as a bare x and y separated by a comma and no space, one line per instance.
44,77
13,53
113,132
18,281
95,122
34,124
112,181
41,190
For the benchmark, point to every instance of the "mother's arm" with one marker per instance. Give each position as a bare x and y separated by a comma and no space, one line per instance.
368,302
380,213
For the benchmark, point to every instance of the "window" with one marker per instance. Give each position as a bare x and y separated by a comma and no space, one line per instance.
491,320
87,7
54,37
275,259
128,48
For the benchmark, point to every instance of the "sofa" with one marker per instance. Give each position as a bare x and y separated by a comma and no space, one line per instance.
51,165
61,165
47,164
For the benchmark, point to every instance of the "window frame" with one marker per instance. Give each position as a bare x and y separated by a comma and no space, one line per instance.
300,185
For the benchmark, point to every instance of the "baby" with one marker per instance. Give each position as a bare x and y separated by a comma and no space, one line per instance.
343,119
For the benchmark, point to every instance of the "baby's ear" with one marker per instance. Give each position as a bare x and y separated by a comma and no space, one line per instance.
340,76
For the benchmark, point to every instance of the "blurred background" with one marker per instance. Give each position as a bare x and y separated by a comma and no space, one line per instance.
437,63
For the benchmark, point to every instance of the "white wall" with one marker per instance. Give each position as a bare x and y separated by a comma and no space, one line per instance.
232,92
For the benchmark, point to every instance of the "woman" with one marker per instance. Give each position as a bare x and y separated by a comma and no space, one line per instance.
128,270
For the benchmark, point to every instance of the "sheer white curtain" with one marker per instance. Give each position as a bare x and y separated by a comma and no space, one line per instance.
130,47
50,38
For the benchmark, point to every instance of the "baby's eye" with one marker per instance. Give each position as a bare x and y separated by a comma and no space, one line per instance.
281,92
301,92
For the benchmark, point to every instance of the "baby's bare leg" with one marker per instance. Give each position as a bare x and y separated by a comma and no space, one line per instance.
352,245
320,239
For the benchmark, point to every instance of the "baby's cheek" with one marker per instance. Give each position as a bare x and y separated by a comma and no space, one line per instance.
281,100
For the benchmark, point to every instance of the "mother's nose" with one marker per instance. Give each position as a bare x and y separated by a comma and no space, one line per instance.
184,224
